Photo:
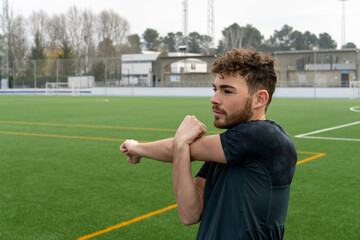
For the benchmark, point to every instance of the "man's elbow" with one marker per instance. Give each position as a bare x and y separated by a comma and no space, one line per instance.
190,220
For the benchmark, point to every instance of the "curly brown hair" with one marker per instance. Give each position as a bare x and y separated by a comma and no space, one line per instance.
257,68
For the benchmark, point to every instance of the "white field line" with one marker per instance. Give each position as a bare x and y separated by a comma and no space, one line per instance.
306,135
331,138
354,109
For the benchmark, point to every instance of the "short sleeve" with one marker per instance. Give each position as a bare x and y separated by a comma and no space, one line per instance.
244,142
203,170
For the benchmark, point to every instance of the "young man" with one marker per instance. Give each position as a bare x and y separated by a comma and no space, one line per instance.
242,190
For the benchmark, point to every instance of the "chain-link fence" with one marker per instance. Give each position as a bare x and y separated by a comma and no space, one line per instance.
36,73
305,69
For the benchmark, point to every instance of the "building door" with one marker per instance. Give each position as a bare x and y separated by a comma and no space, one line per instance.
344,78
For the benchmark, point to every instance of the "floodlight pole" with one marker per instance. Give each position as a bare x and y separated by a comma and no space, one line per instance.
342,22
210,22
185,21
5,53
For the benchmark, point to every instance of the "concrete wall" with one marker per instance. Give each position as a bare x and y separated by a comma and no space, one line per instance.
335,93
343,93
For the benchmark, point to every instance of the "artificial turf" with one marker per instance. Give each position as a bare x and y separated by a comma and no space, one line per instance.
63,177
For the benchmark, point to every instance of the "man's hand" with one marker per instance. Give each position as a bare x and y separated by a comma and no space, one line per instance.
129,149
189,130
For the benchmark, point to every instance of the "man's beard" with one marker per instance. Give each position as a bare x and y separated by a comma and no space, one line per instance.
229,121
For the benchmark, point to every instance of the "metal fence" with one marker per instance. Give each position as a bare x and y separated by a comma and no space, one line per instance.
36,73
108,73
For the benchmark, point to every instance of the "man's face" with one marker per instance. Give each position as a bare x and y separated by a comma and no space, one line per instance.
232,103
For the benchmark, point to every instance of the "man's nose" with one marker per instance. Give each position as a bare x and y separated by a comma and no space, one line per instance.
215,99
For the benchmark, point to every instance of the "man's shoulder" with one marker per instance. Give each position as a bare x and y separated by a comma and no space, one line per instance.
254,125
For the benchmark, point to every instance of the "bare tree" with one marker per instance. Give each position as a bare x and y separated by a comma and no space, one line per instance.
88,32
17,38
74,21
38,22
112,26
233,36
57,31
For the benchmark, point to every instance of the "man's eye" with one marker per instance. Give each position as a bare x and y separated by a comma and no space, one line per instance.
214,89
227,91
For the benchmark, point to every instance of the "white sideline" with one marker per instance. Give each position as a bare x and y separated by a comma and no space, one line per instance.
306,135
354,109
332,138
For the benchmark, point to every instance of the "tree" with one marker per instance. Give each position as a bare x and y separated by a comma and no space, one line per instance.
169,42
111,25
194,41
67,55
326,42
38,22
252,37
282,40
17,39
205,42
349,45
220,48
73,25
38,50
134,43
106,48
88,34
57,32
151,39
232,36
236,36
310,40
98,70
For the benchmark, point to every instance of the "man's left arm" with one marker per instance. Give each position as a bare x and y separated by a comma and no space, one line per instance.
189,142
206,148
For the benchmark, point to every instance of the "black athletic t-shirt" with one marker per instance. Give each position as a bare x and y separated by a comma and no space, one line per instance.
248,197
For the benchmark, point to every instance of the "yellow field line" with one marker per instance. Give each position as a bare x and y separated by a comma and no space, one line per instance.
127,222
121,140
310,158
172,206
94,126
64,136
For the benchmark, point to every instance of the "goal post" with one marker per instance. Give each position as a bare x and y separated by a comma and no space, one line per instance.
75,86
59,88
355,90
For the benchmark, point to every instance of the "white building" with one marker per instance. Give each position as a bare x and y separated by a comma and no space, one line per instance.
189,65
137,68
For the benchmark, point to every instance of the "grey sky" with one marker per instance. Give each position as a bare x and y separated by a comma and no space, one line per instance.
165,16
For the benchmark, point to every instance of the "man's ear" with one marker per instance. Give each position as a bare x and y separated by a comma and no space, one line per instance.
261,98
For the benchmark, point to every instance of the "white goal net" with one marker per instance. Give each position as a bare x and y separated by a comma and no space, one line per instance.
355,90
56,88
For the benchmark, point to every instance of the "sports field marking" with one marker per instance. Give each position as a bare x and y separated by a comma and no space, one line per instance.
307,135
355,109
317,155
64,136
94,126
127,222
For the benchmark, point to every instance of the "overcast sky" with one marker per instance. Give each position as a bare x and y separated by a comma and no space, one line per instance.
316,16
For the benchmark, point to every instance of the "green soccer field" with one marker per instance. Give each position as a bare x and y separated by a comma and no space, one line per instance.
63,176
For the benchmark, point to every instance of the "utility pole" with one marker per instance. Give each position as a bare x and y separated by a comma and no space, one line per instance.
343,42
